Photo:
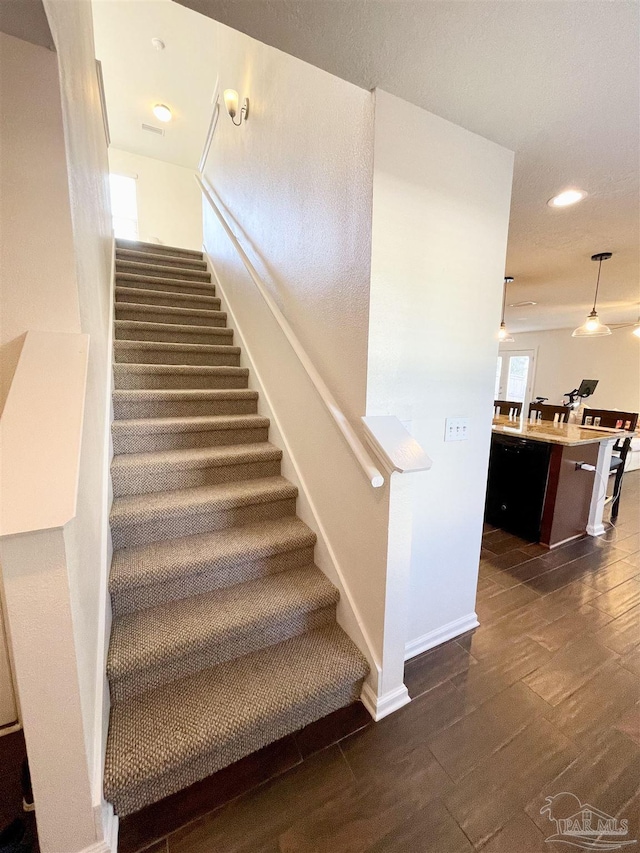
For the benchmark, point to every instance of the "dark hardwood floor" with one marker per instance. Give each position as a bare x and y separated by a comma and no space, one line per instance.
12,754
543,698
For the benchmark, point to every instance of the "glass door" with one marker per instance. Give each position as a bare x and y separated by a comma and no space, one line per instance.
514,376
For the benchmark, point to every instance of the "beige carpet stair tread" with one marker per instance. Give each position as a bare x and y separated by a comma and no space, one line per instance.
185,400
169,311
176,284
160,270
197,457
176,328
132,376
168,738
186,369
201,423
220,552
203,302
159,258
164,346
141,245
185,394
182,628
135,509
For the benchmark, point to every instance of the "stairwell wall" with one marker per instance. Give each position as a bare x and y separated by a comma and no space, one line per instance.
87,163
56,277
440,218
169,206
295,184
296,178
37,275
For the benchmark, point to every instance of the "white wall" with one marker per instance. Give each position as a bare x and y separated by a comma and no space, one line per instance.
440,216
37,275
56,276
297,180
564,361
72,28
296,177
169,204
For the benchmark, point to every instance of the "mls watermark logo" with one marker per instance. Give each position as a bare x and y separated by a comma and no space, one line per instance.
582,825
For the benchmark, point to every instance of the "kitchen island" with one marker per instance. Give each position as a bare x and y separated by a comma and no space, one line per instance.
537,486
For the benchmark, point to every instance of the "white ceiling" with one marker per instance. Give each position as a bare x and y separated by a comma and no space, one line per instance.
137,76
557,82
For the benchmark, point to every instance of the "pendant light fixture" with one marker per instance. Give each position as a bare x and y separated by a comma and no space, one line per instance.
592,327
503,335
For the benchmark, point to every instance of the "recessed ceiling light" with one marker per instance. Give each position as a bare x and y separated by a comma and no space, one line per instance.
564,199
521,304
162,112
158,43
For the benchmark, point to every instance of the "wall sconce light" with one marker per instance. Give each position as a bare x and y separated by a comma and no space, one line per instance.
231,102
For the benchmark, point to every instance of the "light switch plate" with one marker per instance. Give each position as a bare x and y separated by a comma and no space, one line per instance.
456,429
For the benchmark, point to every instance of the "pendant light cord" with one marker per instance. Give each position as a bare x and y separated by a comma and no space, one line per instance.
595,298
504,299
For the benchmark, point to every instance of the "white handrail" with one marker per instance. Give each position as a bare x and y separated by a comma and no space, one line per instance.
373,474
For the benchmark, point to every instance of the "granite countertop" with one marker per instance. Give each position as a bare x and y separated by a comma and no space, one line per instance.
546,431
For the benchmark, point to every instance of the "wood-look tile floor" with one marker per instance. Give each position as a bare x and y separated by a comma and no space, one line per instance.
543,698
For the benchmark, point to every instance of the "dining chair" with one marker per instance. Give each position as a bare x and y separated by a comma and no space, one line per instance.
547,412
507,407
613,419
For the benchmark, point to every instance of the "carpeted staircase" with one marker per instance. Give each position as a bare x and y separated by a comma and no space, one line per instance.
224,636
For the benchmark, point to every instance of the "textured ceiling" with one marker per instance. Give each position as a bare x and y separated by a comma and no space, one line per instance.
557,82
136,76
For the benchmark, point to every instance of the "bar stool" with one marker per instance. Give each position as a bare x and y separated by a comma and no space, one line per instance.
612,419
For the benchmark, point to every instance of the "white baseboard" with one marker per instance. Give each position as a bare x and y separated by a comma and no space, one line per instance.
106,824
440,635
382,706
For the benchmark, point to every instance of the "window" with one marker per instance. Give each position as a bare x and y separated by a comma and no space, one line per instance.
496,392
124,206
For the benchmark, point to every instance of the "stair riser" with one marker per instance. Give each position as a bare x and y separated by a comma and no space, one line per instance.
212,338
153,271
143,482
151,790
126,409
260,637
159,249
157,381
148,283
147,356
124,255
211,320
207,580
144,532
137,443
168,299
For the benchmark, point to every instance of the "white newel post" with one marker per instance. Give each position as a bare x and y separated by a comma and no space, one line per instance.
401,455
595,527
40,444
34,569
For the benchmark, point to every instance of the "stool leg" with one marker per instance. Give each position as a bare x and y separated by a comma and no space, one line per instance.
617,488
